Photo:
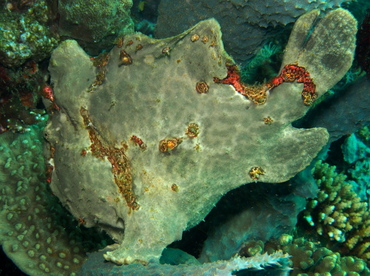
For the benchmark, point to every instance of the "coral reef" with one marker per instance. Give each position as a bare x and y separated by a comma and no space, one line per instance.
95,24
25,32
29,235
246,25
340,241
337,209
36,232
308,257
144,196
338,215
20,94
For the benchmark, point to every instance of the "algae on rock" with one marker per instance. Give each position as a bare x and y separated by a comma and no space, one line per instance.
95,24
143,155
25,34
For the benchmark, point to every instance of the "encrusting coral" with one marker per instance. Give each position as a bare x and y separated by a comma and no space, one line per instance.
35,231
29,236
119,134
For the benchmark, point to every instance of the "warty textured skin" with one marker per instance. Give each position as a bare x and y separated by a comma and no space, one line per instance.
154,97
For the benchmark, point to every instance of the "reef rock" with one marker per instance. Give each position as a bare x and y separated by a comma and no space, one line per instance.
146,143
25,32
95,24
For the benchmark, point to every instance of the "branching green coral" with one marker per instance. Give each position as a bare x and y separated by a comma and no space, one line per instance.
337,209
338,214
